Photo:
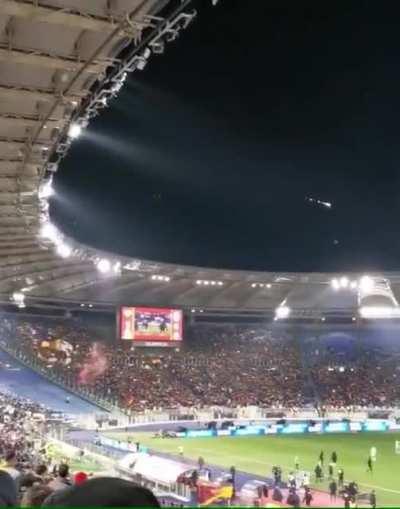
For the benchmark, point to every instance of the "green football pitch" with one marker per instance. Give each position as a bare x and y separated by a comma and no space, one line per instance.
257,455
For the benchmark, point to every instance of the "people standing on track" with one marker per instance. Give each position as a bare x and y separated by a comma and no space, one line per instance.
372,499
321,458
340,477
333,490
308,497
318,473
369,465
330,470
334,457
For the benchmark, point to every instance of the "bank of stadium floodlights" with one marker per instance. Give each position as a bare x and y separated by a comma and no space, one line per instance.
375,300
158,32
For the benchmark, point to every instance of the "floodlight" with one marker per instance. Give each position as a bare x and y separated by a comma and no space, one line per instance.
282,312
19,299
49,231
141,63
146,53
74,130
344,282
64,250
335,284
46,190
104,266
366,284
18,296
376,312
158,47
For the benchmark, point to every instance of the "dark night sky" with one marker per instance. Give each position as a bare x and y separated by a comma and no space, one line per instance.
206,157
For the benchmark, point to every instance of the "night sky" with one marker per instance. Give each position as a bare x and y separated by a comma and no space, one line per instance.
206,157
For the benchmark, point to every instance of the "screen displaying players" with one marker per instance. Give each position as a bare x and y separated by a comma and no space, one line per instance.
141,324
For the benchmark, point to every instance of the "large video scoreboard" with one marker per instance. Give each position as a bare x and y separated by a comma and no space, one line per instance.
150,326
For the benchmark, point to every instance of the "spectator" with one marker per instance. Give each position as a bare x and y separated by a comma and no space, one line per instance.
277,495
103,492
80,478
61,481
308,497
293,498
8,490
10,466
36,495
41,472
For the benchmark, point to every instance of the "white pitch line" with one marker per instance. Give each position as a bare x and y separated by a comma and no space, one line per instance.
243,459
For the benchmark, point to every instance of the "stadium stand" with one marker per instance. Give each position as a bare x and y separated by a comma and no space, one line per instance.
218,366
203,373
29,477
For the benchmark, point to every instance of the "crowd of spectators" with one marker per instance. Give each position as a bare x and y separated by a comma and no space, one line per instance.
361,372
217,366
357,384
29,477
24,469
224,366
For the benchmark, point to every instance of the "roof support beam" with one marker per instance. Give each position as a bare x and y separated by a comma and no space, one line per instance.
16,94
27,122
17,144
55,16
48,62
12,169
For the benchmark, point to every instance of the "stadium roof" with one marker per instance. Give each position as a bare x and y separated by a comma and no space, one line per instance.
61,61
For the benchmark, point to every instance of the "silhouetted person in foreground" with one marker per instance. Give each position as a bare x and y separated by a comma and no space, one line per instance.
103,492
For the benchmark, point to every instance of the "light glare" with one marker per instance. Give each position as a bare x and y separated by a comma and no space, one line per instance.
366,284
379,312
282,312
335,284
74,131
104,266
64,250
49,231
46,190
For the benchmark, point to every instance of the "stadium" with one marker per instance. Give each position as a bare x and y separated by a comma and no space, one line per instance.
131,382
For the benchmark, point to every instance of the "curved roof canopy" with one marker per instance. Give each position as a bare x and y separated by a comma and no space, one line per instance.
60,63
